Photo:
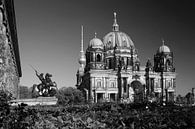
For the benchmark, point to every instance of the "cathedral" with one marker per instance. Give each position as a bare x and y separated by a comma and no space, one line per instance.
110,70
10,69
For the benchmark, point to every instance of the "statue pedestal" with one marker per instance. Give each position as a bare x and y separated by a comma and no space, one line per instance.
36,101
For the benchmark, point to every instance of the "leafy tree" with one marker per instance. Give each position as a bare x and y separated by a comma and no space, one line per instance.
69,95
24,92
190,98
179,99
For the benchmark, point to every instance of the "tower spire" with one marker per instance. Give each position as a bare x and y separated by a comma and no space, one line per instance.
115,26
81,38
82,59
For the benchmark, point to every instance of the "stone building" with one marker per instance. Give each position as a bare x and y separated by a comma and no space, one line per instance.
10,69
110,70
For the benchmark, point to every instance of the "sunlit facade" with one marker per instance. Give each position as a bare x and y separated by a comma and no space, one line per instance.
110,70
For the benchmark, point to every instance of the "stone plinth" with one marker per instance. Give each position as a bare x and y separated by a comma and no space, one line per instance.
36,101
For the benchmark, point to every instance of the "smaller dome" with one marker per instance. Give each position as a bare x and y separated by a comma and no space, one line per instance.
96,43
164,48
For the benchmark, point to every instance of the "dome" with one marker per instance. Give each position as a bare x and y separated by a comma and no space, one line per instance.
120,39
117,38
96,43
164,48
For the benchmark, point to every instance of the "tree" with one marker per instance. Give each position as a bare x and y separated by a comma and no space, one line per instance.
179,99
24,92
69,95
190,98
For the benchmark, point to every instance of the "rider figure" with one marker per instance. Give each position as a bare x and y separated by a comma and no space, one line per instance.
46,83
48,80
41,78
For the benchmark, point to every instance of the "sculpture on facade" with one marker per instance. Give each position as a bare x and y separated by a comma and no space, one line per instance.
46,88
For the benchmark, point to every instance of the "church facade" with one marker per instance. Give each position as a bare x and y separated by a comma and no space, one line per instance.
110,70
10,69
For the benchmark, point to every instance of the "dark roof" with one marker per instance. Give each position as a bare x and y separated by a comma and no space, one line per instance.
9,5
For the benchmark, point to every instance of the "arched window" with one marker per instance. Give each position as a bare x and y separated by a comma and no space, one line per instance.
91,57
98,58
99,84
112,85
137,67
109,63
168,62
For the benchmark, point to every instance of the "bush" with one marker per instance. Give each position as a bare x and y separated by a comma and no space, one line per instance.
70,95
4,107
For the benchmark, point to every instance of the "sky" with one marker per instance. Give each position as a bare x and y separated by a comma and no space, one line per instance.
49,34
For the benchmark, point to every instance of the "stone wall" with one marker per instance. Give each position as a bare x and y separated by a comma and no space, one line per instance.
9,74
36,101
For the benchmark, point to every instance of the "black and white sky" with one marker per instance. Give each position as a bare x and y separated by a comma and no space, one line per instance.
49,34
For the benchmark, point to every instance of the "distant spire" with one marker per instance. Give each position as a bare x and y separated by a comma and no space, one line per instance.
115,26
95,34
82,38
82,59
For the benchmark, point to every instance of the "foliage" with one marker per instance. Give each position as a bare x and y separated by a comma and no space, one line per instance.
95,116
4,106
69,95
190,98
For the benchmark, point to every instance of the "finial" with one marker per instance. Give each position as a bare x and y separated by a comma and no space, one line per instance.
163,41
114,15
115,21
115,25
81,38
95,34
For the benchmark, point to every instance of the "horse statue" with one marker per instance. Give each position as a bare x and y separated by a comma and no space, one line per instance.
46,88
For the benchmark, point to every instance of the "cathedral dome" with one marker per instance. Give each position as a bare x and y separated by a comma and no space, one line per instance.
119,39
164,48
96,43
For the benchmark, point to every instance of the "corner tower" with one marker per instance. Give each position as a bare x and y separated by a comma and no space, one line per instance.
163,65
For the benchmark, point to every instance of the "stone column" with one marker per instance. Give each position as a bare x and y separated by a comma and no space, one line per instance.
91,88
95,97
115,96
122,87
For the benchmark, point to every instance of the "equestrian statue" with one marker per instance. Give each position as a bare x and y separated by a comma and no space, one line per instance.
47,88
